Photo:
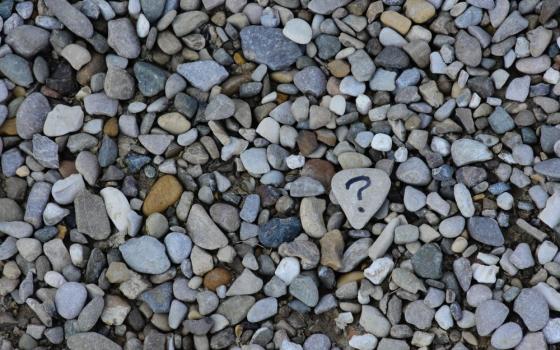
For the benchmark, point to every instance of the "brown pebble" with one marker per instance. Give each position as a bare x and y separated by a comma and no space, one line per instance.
319,169
307,142
8,128
163,194
217,277
67,168
338,68
111,127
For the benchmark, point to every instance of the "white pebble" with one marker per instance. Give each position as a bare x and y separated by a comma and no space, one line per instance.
287,269
382,142
295,161
298,30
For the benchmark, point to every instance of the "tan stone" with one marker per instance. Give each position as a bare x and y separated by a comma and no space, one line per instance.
311,215
115,311
163,194
339,68
396,21
419,11
332,248
117,272
174,123
350,277
217,277
111,127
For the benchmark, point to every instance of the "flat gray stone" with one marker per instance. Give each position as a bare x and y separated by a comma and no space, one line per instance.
467,49
467,151
28,40
549,167
220,107
122,38
69,299
151,78
45,151
428,261
269,46
263,309
203,231
90,314
145,254
533,309
245,284
305,290
325,7
374,322
490,315
203,74
485,230
500,121
91,341
512,25
118,84
419,314
311,80
71,17
91,216
31,115
507,336
414,171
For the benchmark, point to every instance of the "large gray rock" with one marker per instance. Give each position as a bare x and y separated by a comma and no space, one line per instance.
71,17
69,299
311,80
151,79
305,290
414,171
428,261
91,216
36,203
122,38
203,231
203,75
532,307
45,151
549,167
490,315
31,115
485,230
28,40
91,341
325,7
145,254
17,69
467,151
467,49
507,336
269,46
118,84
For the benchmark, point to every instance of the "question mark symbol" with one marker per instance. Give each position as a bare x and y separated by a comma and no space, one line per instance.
353,180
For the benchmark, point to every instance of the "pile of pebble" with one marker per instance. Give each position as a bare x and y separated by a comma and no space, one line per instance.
280,174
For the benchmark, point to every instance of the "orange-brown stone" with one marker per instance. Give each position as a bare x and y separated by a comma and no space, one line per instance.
217,277
111,127
164,193
9,128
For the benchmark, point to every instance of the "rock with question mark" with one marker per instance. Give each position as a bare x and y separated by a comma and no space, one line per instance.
360,193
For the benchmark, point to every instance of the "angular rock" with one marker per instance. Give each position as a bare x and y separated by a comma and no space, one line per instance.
269,46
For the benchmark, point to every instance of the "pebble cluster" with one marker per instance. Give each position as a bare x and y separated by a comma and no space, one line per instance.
280,174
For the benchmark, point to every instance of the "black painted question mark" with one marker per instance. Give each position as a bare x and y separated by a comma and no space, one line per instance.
357,179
